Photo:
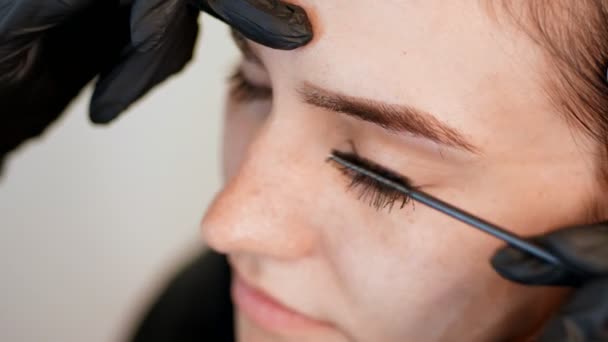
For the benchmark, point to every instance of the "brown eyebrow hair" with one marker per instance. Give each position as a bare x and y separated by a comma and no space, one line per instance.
397,118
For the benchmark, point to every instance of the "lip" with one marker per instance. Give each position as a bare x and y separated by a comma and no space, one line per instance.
269,313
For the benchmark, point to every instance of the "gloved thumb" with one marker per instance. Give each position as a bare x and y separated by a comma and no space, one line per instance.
515,265
582,249
272,23
150,20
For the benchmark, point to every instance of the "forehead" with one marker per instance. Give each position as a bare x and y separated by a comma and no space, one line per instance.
453,44
397,40
448,57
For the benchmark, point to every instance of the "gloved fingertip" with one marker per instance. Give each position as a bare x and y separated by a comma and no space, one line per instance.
104,114
274,24
148,24
505,259
520,267
151,20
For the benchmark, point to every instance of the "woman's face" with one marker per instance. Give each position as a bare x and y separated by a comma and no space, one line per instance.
472,126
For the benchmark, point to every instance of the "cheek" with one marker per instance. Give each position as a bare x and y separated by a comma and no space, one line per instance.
392,267
415,265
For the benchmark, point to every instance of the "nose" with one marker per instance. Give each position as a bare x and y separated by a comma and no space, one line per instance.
262,209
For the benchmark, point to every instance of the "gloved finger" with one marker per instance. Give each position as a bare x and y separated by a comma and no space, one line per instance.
138,71
583,318
582,249
19,17
520,267
150,20
272,23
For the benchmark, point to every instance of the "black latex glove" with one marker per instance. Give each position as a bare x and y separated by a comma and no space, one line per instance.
50,49
272,23
584,317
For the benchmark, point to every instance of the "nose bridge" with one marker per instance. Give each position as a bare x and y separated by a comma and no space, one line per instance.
259,210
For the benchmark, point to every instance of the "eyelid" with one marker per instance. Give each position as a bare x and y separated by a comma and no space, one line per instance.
244,90
369,190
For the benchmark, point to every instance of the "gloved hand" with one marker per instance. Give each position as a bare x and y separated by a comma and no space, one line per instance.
584,250
50,49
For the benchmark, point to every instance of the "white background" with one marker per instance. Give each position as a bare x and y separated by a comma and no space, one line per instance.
94,218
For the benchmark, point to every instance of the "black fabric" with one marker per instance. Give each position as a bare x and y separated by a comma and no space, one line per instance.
273,23
195,306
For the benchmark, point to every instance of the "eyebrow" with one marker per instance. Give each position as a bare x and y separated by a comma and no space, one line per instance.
395,118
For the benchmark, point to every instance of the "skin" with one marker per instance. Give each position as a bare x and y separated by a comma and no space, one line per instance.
291,227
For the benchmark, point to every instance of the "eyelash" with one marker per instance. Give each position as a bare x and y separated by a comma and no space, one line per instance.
377,194
243,90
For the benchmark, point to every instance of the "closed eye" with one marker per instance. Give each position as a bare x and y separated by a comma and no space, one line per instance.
377,194
243,90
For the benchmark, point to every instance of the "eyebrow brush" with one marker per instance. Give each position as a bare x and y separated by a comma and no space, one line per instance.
448,209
